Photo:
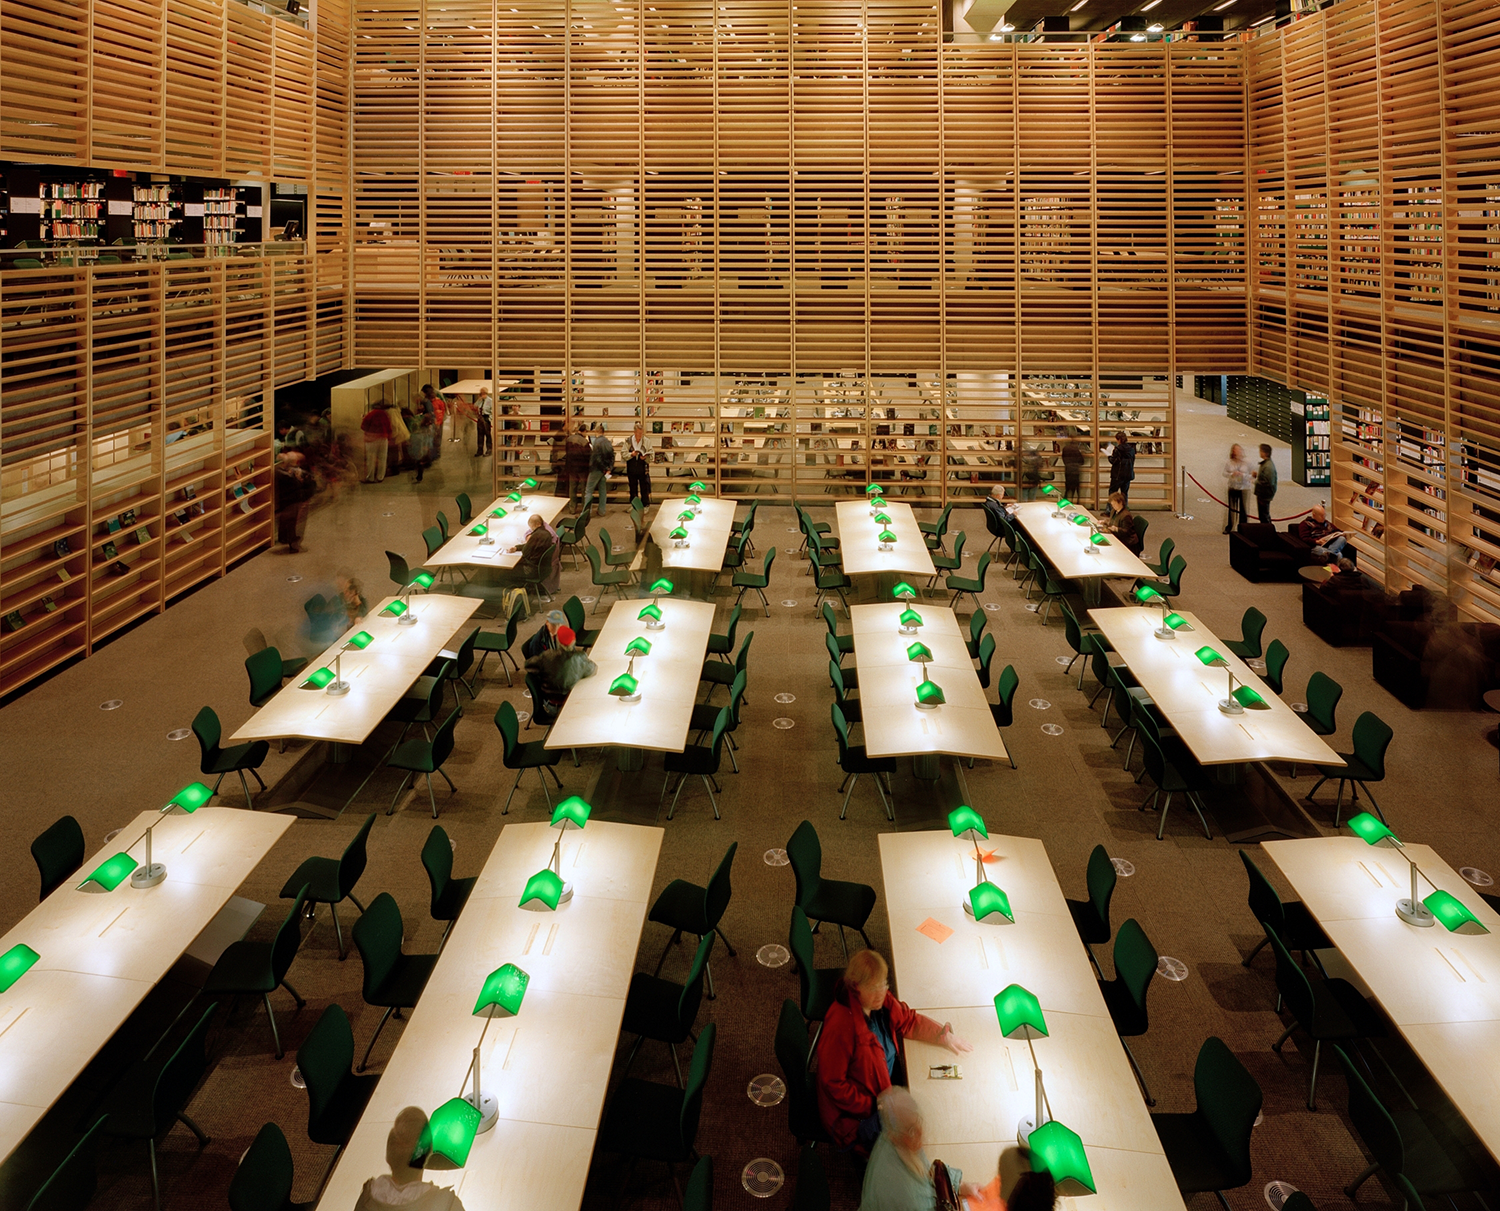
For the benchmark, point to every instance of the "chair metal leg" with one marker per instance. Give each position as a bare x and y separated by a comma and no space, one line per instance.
1104,718
1312,1083
553,771
505,811
853,781
676,1064
1361,1179
708,786
1130,748
844,942
400,790
630,1059
1249,958
246,787
1219,1194
1192,797
733,763
1276,1046
338,931
430,798
203,1140
446,779
155,1180
1165,808
1373,804
725,940
884,802
390,1010
1150,1101
681,782
275,1034
1089,950
1315,787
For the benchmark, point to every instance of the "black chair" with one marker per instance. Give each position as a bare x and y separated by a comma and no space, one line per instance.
812,1192
73,1183
263,1180
1125,995
266,673
583,636
1091,916
58,853
1003,710
816,985
661,1010
541,711
705,715
425,757
251,968
1168,776
393,980
722,645
1293,924
685,907
700,759
331,880
533,754
1209,1149
720,672
453,663
1276,657
1372,737
1252,626
793,1054
221,761
1323,695
336,1095
854,760
605,580
486,642
449,895
853,712
843,903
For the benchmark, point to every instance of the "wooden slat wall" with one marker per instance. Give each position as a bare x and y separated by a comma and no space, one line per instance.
790,233
1375,154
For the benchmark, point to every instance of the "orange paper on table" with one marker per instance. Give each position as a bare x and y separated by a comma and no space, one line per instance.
935,930
989,855
988,1200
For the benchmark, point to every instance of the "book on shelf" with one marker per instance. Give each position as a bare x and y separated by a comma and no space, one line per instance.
118,568
181,517
112,526
110,551
60,548
64,575
127,518
142,535
49,605
15,620
189,492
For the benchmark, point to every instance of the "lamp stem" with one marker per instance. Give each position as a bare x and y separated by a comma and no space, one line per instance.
557,854
978,861
148,864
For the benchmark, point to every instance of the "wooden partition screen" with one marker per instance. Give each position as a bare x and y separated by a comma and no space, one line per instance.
1375,272
806,243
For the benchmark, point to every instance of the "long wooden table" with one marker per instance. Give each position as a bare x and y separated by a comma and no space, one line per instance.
859,545
1089,1084
466,550
1441,989
893,723
1187,692
100,954
695,567
549,1065
668,680
1063,542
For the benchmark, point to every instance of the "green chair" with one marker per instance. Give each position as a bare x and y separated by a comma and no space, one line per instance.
721,672
393,980
433,538
1323,694
1163,562
73,1183
1372,737
259,968
1173,585
1003,711
1276,658
571,531
449,895
442,521
420,704
58,852
758,581
794,1055
817,986
662,1011
685,907
255,641
986,658
154,1094
1252,625
573,610
812,1192
853,712
977,623
969,586
843,903
605,580
828,578
221,761
263,1181
465,508
699,759
425,757
734,554
401,573
826,550
1325,1009
331,881
722,645
541,712
1290,920
638,519
621,560
336,1096
267,670
453,663
1053,586
1209,1148
742,529
850,676
486,642
521,757
1173,777
699,1195
705,715
845,642
1125,995
821,528
933,532
1091,916
1142,524
645,1121
1083,641
854,760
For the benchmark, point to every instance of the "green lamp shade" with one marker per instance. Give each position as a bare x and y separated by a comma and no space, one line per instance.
882,519
872,490
910,618
1059,1151
528,483
878,502
572,810
110,873
661,586
1448,909
1370,829
904,591
480,530
638,646
1080,520
1099,540
513,497
1209,656
694,499
1145,593
423,580
191,797
1048,490
449,1133
15,963
546,886
987,899
685,516
929,693
1177,622
499,512
962,819
1245,696
1020,1014
678,533
623,686
919,651
887,536
396,608
697,486
505,987
361,640
652,611
1064,503
320,677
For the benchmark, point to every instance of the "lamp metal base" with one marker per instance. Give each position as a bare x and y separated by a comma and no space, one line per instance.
1414,912
885,546
337,689
1165,633
1091,549
908,630
630,698
567,893
1230,707
926,706
489,1110
150,876
656,626
1024,1127
408,619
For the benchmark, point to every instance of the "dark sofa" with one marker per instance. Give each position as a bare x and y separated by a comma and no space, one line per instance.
1444,665
1345,617
1262,552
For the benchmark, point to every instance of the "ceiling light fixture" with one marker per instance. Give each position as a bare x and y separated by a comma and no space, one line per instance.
1078,6
1155,27
1146,8
1219,8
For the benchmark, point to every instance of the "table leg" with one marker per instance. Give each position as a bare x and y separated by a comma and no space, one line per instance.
630,759
340,753
963,782
925,767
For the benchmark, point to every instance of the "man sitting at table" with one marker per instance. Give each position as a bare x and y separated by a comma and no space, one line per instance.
1315,529
536,558
403,1187
1122,523
559,668
997,508
546,635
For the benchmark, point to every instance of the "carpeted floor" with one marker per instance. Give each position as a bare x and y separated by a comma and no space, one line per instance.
65,755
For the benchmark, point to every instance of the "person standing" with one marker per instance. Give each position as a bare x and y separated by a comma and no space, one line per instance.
578,459
560,463
638,465
376,427
1122,465
484,423
419,444
1072,461
1238,473
294,488
601,467
437,406
1265,485
1031,472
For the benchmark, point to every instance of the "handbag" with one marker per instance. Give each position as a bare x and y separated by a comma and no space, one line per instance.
942,1185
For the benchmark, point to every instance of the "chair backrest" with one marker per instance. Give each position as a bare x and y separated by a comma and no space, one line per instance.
958,545
465,508
265,674
1323,694
180,1075
698,1194
1251,627
573,610
986,655
442,739
400,571
744,653
1168,545
1174,574
1135,965
1291,981
691,995
721,725
206,727
442,520
1101,879
354,858
591,553
837,678
770,559
377,934
263,1181
830,620
984,568
288,938
736,698
812,1193
1276,657
716,894
1372,1120
324,1059
1152,758
942,521
791,1054
734,623
841,729
606,543
1403,1187
977,623
1072,632
805,854
540,708
1142,524
433,537
73,1183
832,645
315,607
1265,904
438,688
1009,682
1228,1102
509,727
437,860
58,852
692,1094
1372,736
517,609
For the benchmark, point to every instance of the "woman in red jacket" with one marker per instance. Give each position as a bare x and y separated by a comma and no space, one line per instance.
860,1052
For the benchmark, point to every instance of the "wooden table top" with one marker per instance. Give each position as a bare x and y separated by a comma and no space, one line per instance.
708,534
101,953
962,727
859,541
1090,1086
1441,989
1188,692
549,1065
1062,542
668,680
378,676
509,531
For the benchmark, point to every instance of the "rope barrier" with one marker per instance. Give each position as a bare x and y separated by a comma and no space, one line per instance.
1225,503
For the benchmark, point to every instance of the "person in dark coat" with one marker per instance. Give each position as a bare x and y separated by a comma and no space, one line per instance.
1122,465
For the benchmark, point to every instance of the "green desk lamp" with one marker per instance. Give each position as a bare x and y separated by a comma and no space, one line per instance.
695,502
872,490
15,963
910,621
651,615
499,511
1059,1151
626,687
449,1133
929,693
544,888
359,641
987,902
698,486
877,505
679,537
882,519
504,989
639,646
1020,1015
1439,906
481,531
1146,595
904,592
965,821
1236,700
887,540
573,813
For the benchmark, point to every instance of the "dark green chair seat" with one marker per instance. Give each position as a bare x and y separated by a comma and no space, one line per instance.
1290,919
722,645
267,670
533,754
622,559
948,563
571,531
259,968
336,1096
605,580
720,672
1209,1148
393,980
853,712
844,643
836,654
685,907
829,578
855,760
1252,626
705,716
700,760
263,1181
1276,657
449,895
58,852
331,880
661,1010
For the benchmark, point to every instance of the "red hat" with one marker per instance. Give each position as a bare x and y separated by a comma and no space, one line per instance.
565,636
